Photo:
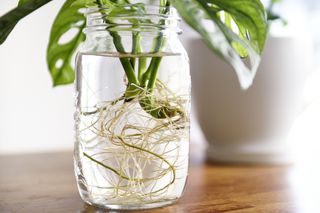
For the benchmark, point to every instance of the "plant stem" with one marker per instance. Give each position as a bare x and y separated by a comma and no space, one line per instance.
155,63
129,70
146,78
135,47
152,71
126,63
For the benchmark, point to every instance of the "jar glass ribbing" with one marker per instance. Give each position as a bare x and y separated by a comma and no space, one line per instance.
132,110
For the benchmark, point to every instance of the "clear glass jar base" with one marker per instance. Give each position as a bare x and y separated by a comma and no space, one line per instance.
141,206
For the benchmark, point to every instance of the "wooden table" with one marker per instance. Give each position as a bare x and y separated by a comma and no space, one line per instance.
45,183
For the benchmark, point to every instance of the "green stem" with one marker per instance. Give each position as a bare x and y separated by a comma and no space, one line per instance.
152,72
126,63
127,66
155,63
146,77
142,67
135,47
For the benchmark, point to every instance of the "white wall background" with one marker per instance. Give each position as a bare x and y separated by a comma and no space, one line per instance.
33,116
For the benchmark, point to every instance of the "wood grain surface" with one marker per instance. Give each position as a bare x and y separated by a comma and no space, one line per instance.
45,183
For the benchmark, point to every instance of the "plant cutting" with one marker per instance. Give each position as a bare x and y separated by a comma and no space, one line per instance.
133,86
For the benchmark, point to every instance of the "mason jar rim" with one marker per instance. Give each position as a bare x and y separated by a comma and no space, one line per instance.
92,9
99,19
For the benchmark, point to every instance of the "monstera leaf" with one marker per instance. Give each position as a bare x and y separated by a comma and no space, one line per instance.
60,53
10,19
234,29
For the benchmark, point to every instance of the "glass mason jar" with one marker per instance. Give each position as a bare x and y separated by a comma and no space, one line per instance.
132,108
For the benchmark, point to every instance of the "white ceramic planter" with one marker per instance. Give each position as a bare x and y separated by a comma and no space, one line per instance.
250,126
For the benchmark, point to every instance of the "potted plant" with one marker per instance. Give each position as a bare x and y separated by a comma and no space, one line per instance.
133,86
252,126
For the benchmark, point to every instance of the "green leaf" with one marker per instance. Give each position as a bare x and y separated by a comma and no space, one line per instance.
21,2
9,20
59,53
241,34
